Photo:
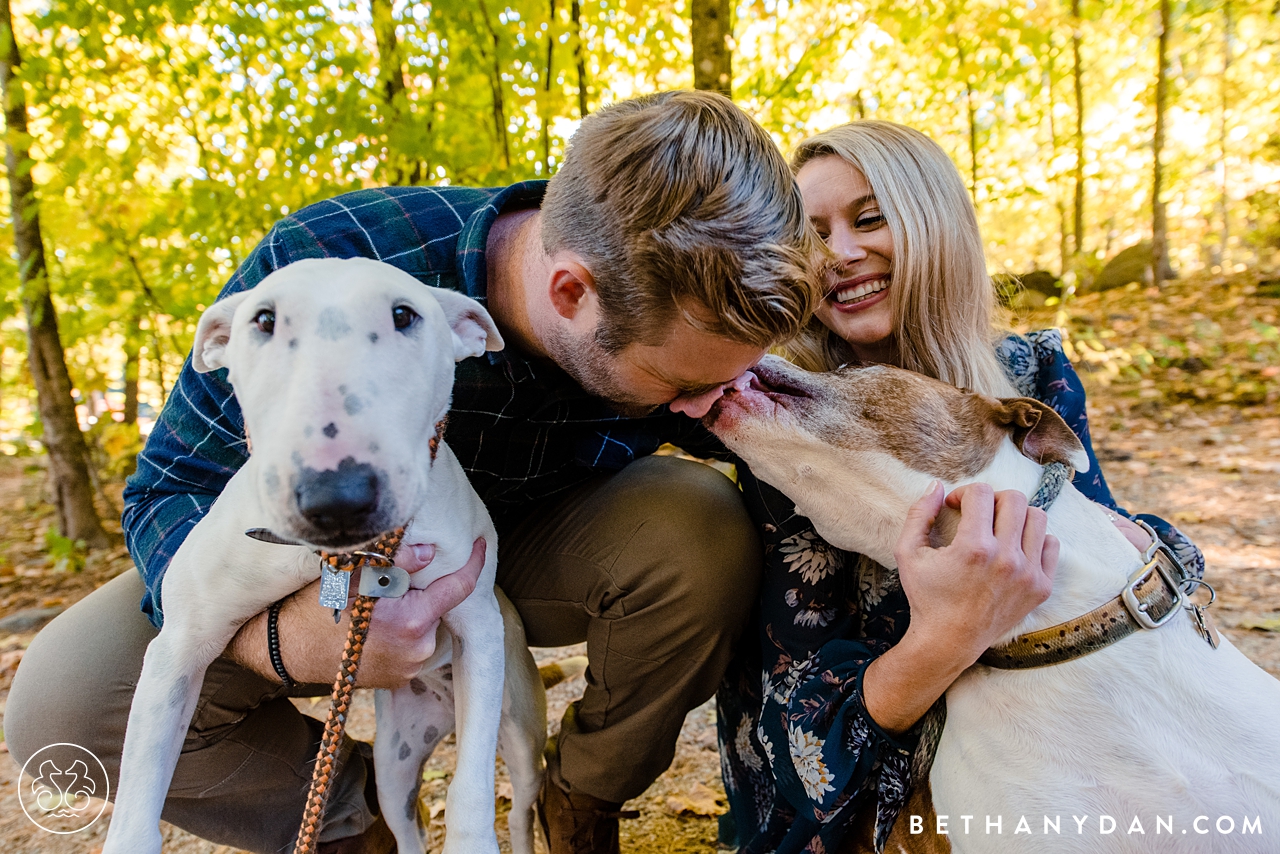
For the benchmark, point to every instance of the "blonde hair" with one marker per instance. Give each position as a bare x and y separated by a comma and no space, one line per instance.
679,200
944,312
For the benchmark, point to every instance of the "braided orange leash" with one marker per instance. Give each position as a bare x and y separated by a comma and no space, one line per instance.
340,704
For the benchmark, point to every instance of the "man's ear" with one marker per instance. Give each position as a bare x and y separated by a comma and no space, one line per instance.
570,286
473,329
213,333
1040,433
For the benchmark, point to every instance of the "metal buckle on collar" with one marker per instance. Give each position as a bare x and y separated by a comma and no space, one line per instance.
1137,609
380,578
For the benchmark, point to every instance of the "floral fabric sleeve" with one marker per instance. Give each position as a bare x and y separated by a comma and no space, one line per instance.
1039,368
800,752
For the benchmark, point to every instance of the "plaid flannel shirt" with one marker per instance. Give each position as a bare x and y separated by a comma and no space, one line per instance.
524,431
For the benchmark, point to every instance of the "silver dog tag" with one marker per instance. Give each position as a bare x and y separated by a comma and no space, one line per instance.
1204,624
383,582
334,586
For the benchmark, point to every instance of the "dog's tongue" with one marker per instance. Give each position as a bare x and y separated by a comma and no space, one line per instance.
696,406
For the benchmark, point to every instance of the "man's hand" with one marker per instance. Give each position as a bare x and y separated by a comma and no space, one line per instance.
402,632
963,596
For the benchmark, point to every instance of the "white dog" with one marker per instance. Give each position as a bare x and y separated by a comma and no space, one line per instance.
1158,727
344,369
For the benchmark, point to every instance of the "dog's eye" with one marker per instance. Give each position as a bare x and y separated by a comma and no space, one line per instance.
403,316
265,320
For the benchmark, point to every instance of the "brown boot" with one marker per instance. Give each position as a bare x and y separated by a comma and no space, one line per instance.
377,839
576,823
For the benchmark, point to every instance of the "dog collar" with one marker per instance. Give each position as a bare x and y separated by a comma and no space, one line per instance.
433,444
1052,478
381,580
1153,595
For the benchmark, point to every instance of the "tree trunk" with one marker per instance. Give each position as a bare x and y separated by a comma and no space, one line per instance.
158,357
131,359
973,143
495,86
1224,252
972,121
575,14
712,55
68,455
1064,250
1077,78
1160,269
545,112
405,167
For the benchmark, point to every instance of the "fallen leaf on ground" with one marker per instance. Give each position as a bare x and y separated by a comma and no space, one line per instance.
1265,625
505,792
698,799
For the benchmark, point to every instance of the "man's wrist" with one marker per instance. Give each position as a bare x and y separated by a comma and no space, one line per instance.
249,646
273,643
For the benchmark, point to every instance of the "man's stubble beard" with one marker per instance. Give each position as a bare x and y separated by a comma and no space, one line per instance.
591,367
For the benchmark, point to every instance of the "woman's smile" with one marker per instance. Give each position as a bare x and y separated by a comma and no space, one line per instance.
860,292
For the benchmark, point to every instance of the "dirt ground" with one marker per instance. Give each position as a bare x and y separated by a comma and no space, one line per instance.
1183,405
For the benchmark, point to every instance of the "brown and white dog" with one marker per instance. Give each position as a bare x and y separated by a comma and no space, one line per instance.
1158,730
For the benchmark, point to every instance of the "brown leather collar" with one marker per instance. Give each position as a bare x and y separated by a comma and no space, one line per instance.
1151,598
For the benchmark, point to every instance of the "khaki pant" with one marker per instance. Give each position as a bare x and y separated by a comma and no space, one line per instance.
655,567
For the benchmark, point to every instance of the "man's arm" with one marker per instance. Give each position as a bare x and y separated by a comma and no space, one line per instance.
402,635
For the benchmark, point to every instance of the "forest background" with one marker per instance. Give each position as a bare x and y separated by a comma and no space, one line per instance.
1123,157
151,145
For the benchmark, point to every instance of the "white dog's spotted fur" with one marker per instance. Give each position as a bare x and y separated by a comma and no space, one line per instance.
334,381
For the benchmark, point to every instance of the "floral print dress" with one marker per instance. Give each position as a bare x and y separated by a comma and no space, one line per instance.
800,755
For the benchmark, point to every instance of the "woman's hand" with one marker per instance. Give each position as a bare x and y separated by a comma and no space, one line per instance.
997,570
963,597
402,632
1133,532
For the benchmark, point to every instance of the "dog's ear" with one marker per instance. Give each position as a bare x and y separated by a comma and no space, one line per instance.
214,332
473,329
1040,433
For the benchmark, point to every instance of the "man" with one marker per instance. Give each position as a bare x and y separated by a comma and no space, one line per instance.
668,253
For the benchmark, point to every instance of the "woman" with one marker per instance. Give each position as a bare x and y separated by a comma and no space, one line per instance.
910,289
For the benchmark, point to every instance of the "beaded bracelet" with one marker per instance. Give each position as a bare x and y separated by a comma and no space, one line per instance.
273,643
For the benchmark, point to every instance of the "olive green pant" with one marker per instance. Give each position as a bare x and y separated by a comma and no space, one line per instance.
655,567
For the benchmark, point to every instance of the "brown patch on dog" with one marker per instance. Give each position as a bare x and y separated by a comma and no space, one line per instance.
928,425
901,841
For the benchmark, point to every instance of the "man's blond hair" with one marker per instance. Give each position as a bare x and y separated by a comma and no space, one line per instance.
680,205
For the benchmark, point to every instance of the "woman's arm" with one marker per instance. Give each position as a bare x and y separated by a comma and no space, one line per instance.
963,597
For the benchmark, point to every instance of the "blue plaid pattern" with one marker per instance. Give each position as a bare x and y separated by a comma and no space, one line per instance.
523,430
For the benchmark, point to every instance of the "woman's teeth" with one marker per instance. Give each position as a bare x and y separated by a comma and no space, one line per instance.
857,293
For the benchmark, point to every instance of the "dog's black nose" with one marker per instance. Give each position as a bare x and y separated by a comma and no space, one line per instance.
342,499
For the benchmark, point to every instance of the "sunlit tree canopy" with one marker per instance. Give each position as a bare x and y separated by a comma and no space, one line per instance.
165,138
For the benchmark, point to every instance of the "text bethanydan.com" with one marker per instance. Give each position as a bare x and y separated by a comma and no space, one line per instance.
1083,824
